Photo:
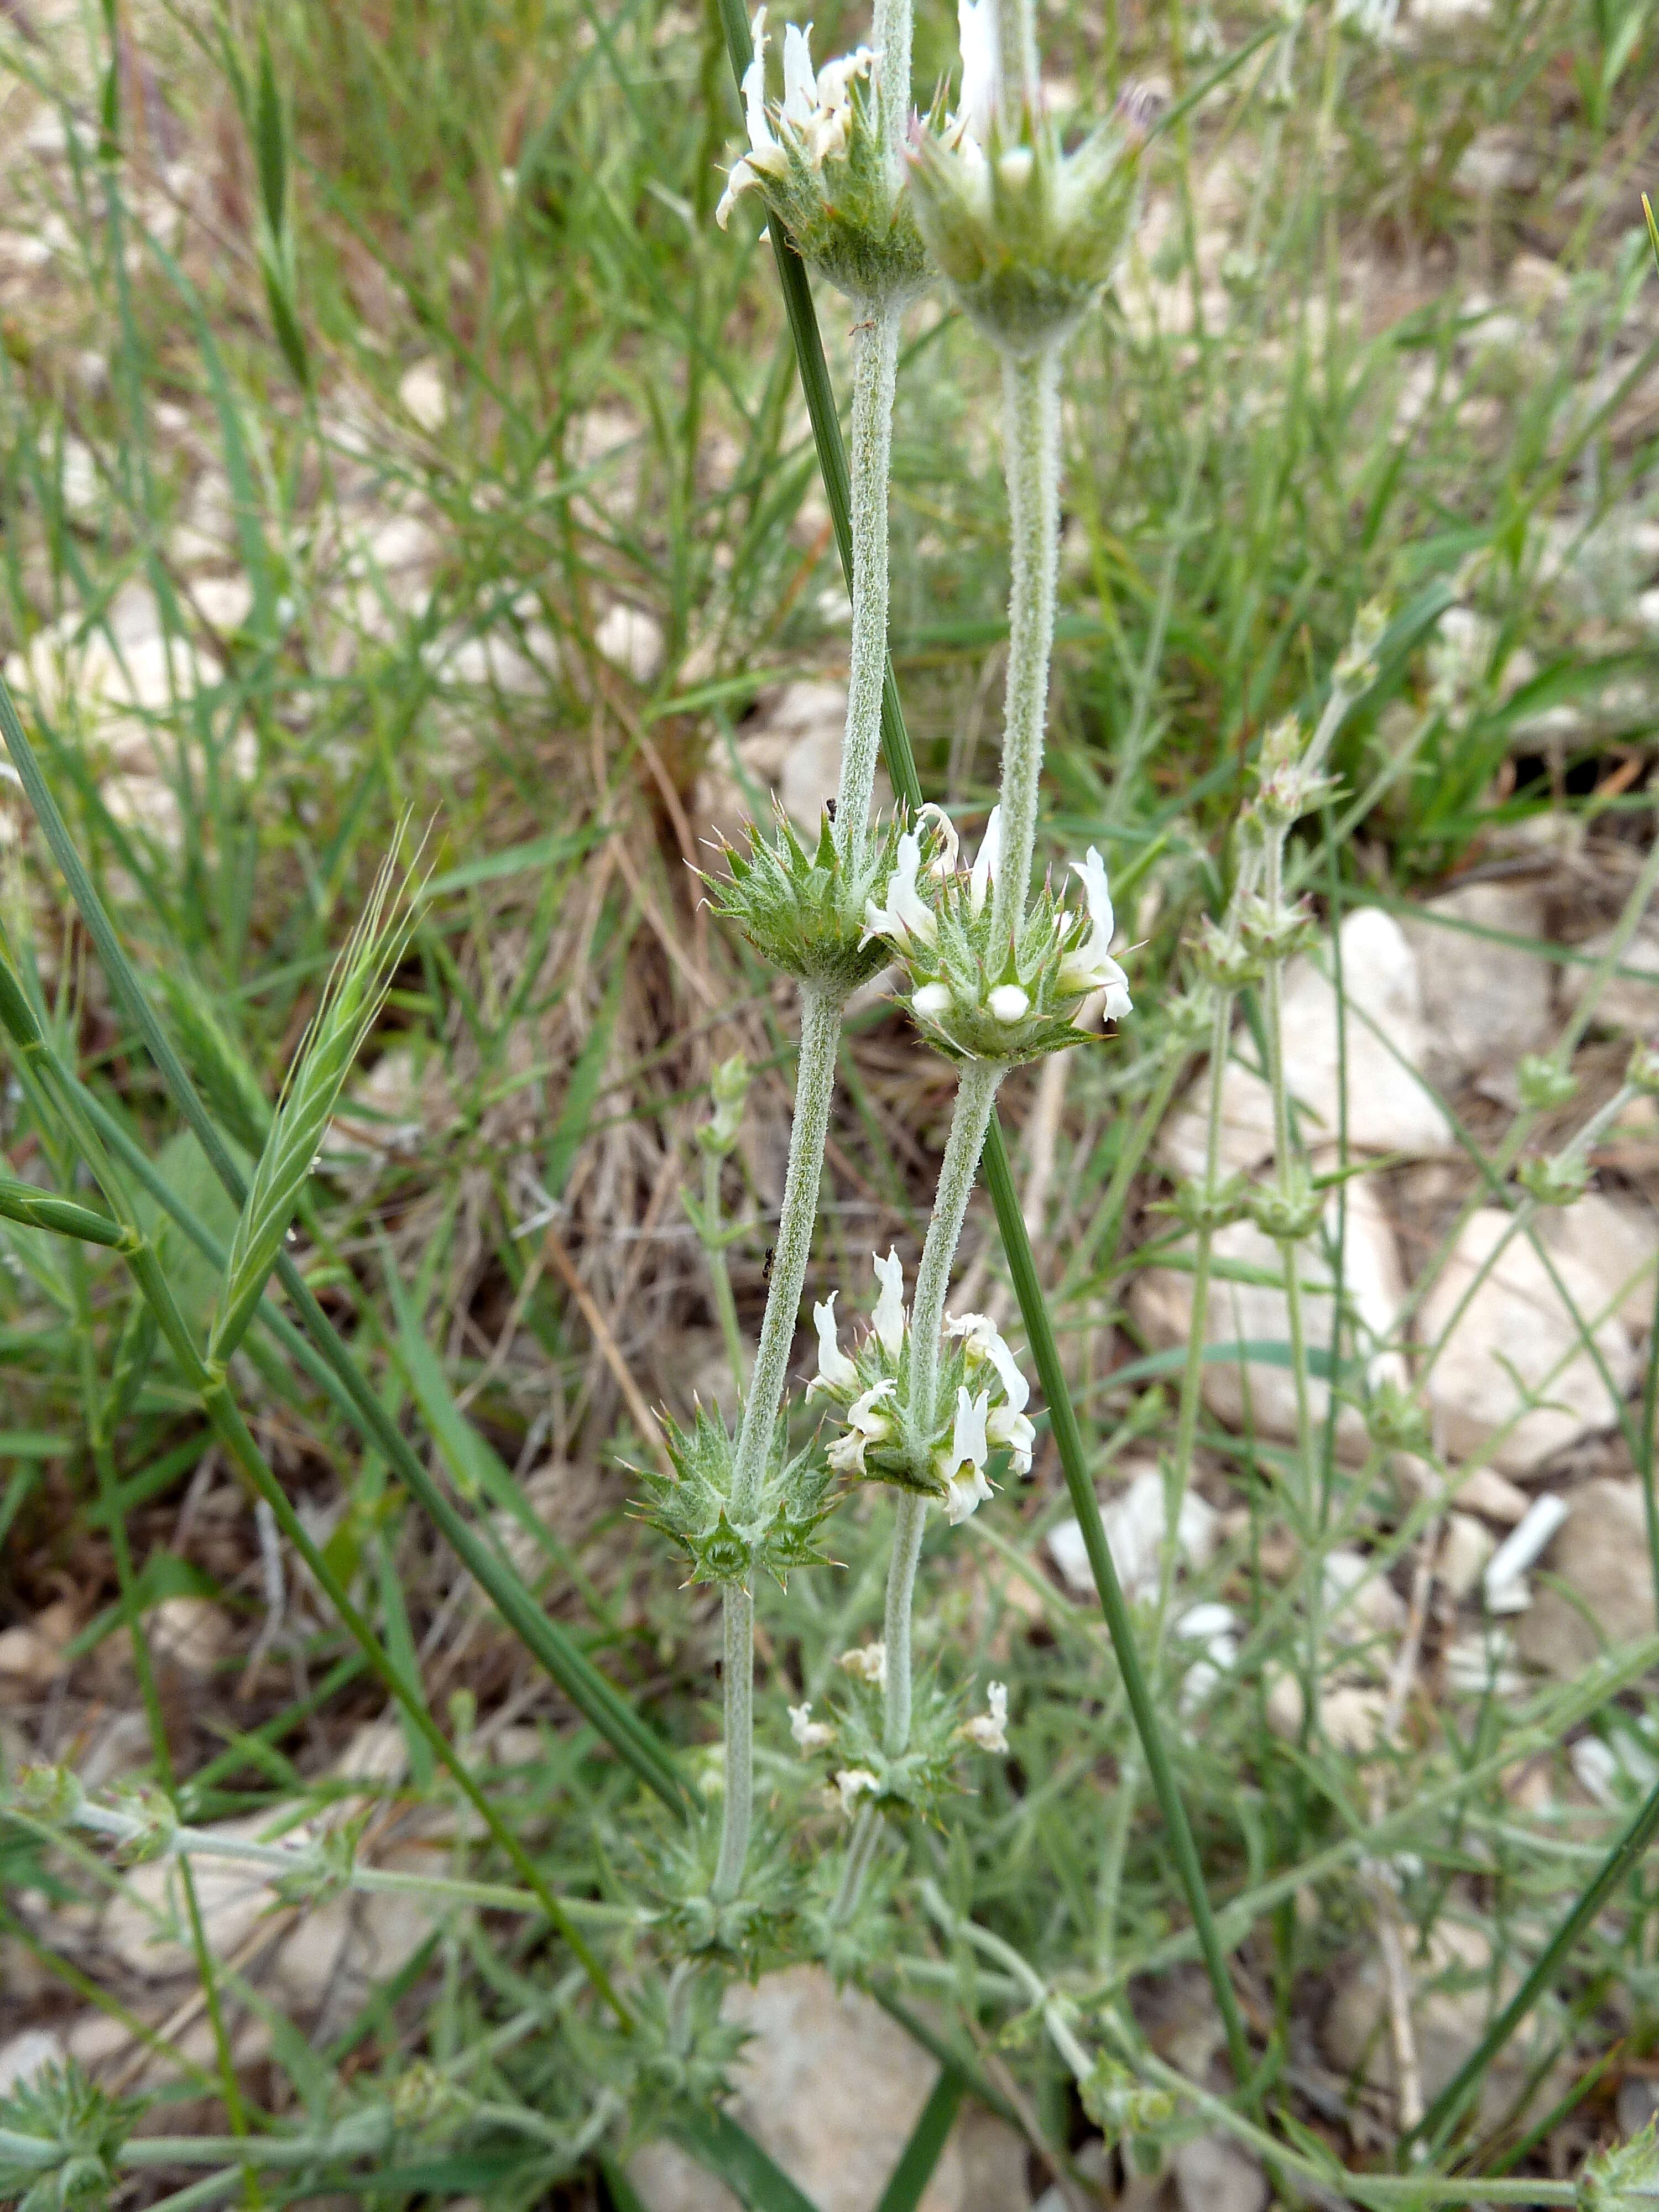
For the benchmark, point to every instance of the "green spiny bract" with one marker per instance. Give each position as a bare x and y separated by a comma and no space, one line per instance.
818,160
1624,2177
80,2129
694,1509
1027,236
979,997
674,1870
804,912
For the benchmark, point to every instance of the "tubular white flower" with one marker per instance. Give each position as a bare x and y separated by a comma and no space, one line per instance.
868,1661
1006,1427
965,1484
1091,967
809,1735
944,862
801,90
851,1784
864,1426
906,913
983,873
836,1370
976,32
985,1344
1010,1003
889,1318
989,1730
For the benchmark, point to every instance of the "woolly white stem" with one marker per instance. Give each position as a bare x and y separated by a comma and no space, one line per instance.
891,35
875,370
901,1589
1031,436
814,1082
970,1117
738,1802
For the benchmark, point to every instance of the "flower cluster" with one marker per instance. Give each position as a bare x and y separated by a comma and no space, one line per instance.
817,160
694,1511
859,1765
1026,234
1004,1000
980,1392
804,912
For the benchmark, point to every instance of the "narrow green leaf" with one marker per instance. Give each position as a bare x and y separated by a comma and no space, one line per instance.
41,1209
577,1111
720,2146
928,2139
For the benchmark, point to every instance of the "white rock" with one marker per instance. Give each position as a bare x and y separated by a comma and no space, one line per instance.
1485,1004
1256,1312
29,1660
1389,1108
78,481
223,602
423,396
148,807
1360,1602
1601,1556
830,2087
1495,160
499,661
1213,2173
145,1927
1351,1717
632,641
1134,1524
1517,1330
1465,1548
23,2057
1626,1002
190,1633
1616,1242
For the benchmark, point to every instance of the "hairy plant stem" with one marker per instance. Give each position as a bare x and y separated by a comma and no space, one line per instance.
908,1524
875,370
890,31
738,1683
970,1117
814,1082
1030,387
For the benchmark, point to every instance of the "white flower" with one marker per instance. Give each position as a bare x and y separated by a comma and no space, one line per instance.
964,1467
864,1426
851,1784
1009,1003
989,1730
816,114
868,1661
931,1002
888,1320
983,873
944,862
906,914
1014,1430
836,1370
977,31
1091,966
810,1735
984,1341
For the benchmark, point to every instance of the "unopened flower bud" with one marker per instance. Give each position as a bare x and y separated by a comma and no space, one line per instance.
1356,668
1543,1084
729,1087
1561,1179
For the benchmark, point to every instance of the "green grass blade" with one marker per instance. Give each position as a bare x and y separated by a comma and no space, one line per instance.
41,1209
922,2153
720,2146
902,768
